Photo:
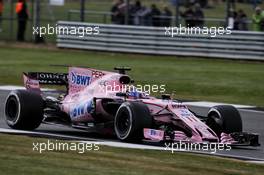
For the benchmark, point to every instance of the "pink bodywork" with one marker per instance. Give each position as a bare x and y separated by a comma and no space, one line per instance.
86,83
182,118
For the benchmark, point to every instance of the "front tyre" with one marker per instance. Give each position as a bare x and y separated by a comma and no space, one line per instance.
224,118
130,120
24,110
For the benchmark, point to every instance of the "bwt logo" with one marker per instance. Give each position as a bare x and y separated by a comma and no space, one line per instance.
82,109
80,79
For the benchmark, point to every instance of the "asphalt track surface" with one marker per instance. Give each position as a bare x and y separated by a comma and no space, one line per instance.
253,121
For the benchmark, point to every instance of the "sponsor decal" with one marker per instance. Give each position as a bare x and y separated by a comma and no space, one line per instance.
80,79
153,134
185,113
50,78
82,109
134,94
97,74
31,84
181,111
43,75
178,106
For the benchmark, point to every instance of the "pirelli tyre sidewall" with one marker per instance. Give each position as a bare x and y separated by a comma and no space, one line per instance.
224,118
130,120
24,110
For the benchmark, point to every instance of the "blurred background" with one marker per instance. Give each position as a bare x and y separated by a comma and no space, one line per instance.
239,14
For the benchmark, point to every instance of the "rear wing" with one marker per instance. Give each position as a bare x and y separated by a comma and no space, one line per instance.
33,80
79,78
47,78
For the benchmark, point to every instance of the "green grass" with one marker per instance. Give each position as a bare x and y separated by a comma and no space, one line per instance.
17,157
191,78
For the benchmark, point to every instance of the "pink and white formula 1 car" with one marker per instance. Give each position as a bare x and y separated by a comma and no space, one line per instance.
101,101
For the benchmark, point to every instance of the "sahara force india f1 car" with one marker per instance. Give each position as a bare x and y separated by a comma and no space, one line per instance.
99,100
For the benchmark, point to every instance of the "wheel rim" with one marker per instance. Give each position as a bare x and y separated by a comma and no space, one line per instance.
214,122
11,109
123,123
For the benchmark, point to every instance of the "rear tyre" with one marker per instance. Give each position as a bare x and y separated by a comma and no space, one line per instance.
224,118
24,110
130,120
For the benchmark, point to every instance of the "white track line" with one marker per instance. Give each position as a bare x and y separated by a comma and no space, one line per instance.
11,88
126,145
13,131
211,104
257,162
